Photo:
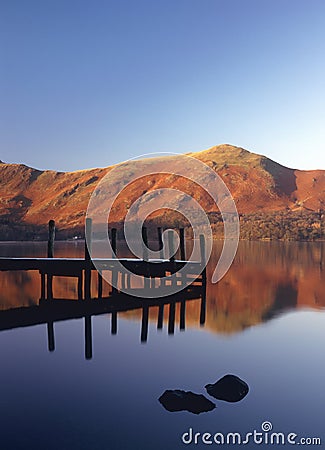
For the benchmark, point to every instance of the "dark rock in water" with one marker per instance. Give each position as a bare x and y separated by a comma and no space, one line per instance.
178,400
229,388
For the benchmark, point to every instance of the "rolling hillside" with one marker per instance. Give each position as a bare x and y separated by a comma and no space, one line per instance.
30,197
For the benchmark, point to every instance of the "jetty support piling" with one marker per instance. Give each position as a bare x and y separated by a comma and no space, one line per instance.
88,262
114,256
50,254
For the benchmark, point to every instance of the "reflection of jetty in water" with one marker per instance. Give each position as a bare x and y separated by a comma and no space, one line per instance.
265,280
49,312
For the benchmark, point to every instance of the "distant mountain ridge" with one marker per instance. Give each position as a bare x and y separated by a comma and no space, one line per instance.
30,197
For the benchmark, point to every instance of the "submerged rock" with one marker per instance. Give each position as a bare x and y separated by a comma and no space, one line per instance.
230,388
177,400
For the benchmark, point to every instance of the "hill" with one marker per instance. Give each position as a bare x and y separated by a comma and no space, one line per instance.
262,190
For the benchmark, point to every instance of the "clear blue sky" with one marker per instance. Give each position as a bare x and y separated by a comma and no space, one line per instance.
91,83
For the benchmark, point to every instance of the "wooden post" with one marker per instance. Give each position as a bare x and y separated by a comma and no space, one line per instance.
100,285
182,244
50,254
80,286
50,242
203,261
160,243
202,249
173,275
88,236
147,280
204,280
50,287
114,255
182,253
42,285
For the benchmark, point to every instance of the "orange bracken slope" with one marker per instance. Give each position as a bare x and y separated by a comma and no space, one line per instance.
257,183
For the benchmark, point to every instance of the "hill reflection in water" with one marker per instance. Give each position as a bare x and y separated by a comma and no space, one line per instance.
99,389
265,280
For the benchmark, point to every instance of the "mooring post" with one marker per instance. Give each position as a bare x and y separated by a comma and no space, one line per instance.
114,255
88,244
203,260
50,242
80,285
50,254
100,284
145,257
204,279
173,274
42,284
202,249
182,252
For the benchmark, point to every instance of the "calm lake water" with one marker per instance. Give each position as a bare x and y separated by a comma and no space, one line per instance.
265,323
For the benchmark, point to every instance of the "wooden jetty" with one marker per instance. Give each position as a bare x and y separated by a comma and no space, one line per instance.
157,274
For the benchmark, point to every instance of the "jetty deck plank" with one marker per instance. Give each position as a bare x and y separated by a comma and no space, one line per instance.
70,266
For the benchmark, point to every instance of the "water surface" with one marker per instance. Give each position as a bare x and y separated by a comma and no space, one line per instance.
265,322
